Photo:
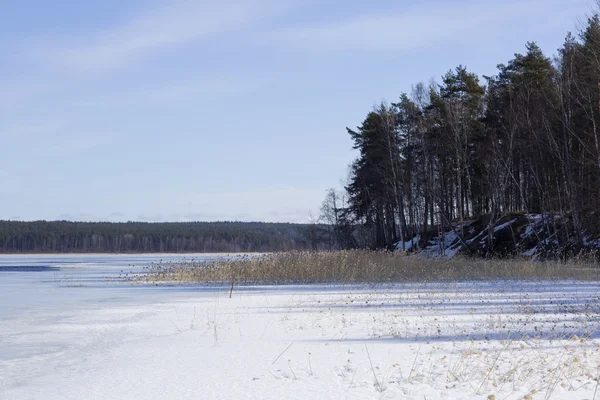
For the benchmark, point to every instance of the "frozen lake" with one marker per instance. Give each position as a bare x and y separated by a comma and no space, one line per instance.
30,283
72,328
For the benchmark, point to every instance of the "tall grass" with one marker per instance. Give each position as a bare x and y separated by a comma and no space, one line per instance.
359,266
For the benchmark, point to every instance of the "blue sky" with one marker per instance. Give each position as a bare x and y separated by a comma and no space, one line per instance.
222,110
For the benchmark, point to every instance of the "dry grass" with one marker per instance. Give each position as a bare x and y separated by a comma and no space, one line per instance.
363,267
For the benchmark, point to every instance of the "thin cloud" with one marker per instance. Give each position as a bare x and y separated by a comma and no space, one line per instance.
398,30
178,24
191,91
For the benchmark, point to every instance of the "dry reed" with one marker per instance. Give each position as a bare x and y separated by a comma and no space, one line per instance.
359,266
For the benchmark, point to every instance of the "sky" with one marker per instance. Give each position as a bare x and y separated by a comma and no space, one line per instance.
203,110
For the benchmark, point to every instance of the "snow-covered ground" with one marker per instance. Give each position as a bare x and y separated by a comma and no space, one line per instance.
420,341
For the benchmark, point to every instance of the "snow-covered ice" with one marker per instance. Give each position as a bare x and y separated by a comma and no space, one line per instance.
420,341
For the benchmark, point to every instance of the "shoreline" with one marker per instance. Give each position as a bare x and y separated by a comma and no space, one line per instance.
127,254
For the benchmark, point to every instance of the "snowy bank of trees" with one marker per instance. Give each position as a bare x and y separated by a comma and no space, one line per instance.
526,139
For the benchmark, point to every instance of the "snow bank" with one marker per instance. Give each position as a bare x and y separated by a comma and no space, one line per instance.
445,245
409,244
530,235
504,225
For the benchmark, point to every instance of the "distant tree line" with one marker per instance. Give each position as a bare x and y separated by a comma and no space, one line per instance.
526,139
137,237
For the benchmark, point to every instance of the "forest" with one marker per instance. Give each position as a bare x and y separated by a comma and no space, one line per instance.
526,140
138,237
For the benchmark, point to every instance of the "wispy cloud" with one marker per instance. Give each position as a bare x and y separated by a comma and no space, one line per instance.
180,23
174,92
393,30
197,90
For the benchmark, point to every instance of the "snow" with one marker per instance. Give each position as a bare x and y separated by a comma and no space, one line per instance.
530,252
431,340
588,241
408,245
534,222
450,243
476,237
528,232
504,225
